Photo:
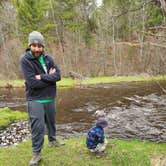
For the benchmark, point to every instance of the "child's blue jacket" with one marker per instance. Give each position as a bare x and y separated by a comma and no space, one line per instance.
95,136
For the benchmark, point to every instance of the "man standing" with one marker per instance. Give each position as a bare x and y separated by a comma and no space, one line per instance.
41,74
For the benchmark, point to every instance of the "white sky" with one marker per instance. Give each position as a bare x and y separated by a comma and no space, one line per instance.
99,3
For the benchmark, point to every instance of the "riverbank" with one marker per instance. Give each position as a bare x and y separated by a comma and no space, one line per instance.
8,116
119,152
68,82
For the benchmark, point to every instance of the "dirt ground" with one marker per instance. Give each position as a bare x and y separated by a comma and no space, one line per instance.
158,160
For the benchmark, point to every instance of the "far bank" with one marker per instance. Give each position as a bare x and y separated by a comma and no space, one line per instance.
69,82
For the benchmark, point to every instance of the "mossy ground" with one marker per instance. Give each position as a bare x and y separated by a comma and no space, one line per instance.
8,116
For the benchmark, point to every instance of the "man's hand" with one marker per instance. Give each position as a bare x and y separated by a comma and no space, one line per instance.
52,71
38,77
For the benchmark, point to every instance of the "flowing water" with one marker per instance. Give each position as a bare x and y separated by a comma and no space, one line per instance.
133,110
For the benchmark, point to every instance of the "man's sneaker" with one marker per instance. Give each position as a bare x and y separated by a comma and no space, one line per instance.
35,159
55,143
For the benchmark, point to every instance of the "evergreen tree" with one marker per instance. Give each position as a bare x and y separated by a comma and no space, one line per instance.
32,15
64,16
131,15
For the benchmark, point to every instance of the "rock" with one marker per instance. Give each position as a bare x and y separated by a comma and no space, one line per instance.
100,113
75,75
14,133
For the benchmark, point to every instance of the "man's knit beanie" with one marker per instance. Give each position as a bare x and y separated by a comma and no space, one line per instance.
102,122
36,38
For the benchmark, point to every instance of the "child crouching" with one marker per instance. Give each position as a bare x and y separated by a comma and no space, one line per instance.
95,140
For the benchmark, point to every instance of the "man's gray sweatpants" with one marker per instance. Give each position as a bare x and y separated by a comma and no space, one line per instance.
39,115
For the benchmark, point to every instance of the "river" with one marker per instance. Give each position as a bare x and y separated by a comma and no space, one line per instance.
134,110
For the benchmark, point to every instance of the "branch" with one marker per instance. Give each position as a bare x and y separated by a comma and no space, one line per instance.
138,44
152,34
157,27
3,35
133,10
128,43
157,45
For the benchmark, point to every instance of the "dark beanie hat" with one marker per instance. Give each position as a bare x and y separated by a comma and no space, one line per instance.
36,37
102,122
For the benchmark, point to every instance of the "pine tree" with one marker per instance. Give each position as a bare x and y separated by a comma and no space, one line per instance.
32,15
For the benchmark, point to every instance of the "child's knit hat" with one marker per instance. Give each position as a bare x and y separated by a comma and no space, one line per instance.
102,122
36,37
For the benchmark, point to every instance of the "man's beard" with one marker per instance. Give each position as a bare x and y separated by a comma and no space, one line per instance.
37,54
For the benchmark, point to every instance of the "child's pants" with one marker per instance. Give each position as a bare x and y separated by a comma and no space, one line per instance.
100,147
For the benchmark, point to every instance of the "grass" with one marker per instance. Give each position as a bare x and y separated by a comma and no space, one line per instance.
9,83
7,116
96,80
68,82
75,153
65,82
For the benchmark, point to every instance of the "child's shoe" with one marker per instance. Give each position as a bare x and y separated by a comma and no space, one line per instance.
100,154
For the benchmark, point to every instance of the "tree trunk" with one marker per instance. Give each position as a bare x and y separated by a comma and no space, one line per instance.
163,5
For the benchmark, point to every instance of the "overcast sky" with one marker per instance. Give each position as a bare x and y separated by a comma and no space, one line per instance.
99,2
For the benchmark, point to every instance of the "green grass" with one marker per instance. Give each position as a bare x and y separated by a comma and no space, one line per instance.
65,82
8,83
7,116
68,82
96,80
75,153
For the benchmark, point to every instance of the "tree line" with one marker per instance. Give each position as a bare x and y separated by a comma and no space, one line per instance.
116,37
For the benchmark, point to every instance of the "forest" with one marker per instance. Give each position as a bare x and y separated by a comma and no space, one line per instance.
89,37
